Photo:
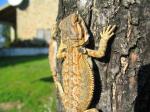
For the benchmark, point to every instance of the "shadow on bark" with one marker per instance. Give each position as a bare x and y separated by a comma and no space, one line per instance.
97,76
142,103
107,56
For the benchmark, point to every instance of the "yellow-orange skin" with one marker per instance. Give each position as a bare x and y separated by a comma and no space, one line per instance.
76,91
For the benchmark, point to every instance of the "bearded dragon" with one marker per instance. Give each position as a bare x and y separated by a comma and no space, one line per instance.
77,87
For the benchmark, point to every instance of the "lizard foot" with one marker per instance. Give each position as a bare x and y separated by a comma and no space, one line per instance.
92,110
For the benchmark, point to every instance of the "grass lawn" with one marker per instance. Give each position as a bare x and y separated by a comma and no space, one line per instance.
26,85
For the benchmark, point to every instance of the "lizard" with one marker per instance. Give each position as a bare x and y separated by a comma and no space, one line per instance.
77,87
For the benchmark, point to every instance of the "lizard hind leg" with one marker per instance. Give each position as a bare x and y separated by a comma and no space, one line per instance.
92,110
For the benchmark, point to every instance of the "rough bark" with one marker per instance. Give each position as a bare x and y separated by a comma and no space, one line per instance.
122,77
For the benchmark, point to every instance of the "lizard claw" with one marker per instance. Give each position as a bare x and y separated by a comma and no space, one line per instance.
108,32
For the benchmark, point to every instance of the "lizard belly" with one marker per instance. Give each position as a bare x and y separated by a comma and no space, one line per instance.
78,82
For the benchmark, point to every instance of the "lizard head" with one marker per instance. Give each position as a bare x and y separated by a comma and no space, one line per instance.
73,30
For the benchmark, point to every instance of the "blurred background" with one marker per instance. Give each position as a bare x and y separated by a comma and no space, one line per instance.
26,83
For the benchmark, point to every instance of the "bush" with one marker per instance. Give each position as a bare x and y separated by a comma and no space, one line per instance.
30,43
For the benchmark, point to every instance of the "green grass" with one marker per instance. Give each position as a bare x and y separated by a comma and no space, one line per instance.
27,80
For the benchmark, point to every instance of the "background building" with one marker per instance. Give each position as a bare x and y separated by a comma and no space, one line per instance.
32,19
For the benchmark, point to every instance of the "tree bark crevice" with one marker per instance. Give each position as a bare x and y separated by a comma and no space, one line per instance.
122,81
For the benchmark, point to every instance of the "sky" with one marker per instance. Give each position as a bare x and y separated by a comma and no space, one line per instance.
3,2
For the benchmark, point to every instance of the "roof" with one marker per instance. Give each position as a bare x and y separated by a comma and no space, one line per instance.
4,6
8,14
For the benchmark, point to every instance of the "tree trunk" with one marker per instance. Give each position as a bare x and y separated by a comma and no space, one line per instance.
122,76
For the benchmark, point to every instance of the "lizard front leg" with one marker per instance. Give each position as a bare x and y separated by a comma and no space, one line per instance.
61,54
106,34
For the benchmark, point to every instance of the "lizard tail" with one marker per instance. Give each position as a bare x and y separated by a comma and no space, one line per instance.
63,97
60,89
